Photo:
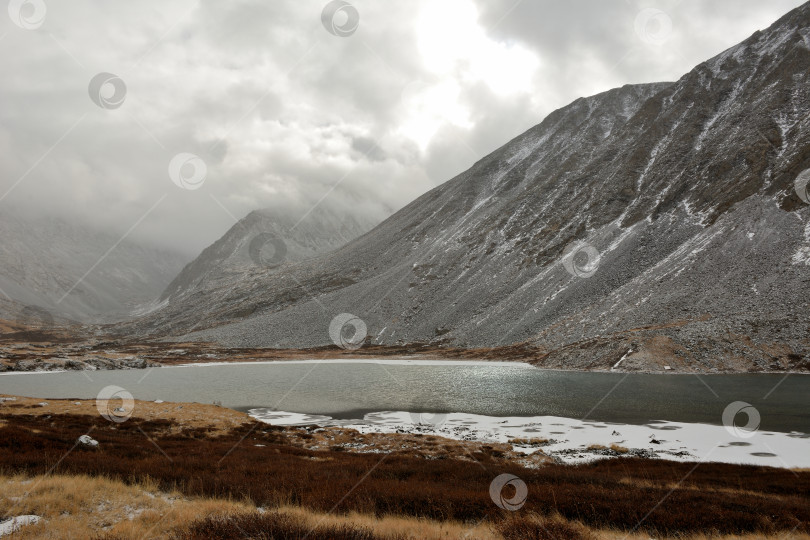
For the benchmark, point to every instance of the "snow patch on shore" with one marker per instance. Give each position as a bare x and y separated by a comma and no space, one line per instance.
14,524
577,441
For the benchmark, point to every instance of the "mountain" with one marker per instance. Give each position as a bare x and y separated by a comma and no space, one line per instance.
649,225
226,275
61,269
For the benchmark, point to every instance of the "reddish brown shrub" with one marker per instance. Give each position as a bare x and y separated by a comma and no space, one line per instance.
271,526
622,493
526,528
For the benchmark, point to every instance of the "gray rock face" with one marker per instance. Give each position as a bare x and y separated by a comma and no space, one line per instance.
231,272
262,241
52,269
87,363
650,224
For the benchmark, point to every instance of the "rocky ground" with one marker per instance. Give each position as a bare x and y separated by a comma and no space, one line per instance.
25,348
651,349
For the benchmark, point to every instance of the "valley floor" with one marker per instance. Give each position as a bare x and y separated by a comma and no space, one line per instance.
190,471
24,348
44,353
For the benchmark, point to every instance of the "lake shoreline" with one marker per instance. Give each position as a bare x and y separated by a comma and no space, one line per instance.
59,365
348,389
528,441
575,441
30,352
202,456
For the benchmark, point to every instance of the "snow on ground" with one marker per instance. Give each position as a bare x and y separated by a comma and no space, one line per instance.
280,418
14,524
571,440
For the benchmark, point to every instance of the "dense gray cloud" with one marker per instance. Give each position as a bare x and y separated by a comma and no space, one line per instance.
285,114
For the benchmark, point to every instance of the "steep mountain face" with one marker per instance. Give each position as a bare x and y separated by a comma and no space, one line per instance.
230,272
60,267
649,225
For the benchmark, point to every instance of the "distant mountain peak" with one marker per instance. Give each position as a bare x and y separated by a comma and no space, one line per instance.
262,242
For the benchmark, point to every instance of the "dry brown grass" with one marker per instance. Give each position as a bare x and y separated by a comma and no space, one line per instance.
534,441
398,525
79,506
257,465
216,420
534,527
531,526
76,506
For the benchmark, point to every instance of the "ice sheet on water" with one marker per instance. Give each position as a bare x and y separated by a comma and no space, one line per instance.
572,440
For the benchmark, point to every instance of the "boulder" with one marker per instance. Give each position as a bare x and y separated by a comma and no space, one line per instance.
88,441
74,364
135,363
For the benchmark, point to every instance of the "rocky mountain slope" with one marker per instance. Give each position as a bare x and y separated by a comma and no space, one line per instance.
649,225
50,267
226,274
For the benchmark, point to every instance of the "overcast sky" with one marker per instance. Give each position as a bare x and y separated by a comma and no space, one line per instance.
362,107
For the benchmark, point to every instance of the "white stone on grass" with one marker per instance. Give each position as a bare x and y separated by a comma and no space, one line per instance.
88,441
14,524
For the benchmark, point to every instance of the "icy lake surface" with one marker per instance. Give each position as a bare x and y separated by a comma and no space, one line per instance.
675,416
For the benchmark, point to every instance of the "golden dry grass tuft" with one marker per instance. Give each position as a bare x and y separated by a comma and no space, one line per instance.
77,506
216,420
534,441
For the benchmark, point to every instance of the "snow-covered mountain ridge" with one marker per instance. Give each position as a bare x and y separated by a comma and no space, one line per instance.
656,223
